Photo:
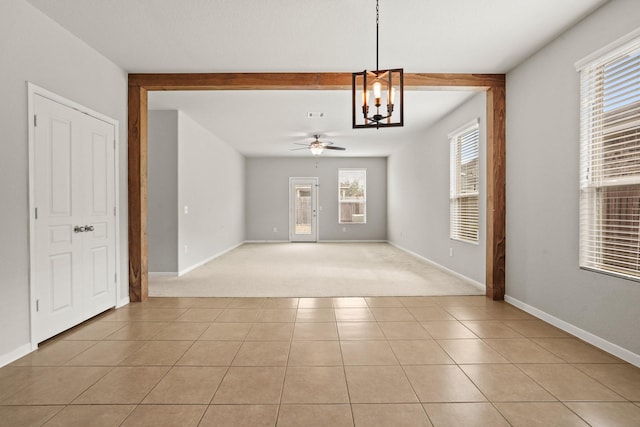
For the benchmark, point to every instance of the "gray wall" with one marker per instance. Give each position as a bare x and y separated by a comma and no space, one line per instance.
162,221
268,197
34,48
418,195
211,183
543,189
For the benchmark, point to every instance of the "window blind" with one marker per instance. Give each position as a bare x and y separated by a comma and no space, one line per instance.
464,183
610,162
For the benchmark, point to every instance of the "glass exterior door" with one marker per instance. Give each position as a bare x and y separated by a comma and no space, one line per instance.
303,211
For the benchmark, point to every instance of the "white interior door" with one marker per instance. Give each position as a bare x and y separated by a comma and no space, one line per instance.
74,219
303,212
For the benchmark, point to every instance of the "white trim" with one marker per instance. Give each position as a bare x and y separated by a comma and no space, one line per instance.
352,241
124,301
267,241
211,258
600,54
475,283
32,91
592,339
15,354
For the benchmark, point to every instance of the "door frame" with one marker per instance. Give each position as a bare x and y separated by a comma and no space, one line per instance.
34,90
314,194
494,85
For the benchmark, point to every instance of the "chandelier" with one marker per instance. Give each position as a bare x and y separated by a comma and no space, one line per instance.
385,107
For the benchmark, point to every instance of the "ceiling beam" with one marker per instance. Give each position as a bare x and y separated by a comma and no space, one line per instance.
305,81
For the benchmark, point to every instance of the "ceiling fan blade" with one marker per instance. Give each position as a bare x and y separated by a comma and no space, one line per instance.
301,148
335,148
301,143
325,143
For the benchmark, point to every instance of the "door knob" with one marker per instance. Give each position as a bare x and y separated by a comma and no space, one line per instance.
88,228
79,229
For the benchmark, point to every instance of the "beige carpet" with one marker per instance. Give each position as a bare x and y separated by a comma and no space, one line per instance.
313,270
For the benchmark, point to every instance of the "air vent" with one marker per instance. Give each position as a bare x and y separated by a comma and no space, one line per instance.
315,115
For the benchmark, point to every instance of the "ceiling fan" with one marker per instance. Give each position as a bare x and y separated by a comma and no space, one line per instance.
316,147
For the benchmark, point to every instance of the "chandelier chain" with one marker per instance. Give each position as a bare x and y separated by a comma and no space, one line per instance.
377,31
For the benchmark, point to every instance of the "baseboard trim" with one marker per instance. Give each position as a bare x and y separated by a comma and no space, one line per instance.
592,339
163,274
16,354
477,284
211,258
352,241
123,302
319,241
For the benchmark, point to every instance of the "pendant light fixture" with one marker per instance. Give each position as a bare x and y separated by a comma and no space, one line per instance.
377,96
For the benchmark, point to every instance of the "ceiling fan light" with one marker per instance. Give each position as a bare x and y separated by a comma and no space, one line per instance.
316,150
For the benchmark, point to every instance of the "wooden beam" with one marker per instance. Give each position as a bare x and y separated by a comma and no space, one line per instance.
496,188
242,81
139,84
137,149
304,81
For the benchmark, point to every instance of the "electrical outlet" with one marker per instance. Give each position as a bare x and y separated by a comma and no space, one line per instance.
344,229
186,210
450,251
275,229
185,249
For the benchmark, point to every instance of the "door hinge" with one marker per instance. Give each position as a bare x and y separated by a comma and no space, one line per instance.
114,144
115,278
35,120
36,213
114,211
37,305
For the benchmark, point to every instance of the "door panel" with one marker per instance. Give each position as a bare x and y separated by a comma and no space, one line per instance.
74,187
61,281
59,167
99,241
57,248
303,209
99,270
99,175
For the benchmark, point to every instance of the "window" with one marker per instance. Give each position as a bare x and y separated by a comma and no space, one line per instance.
610,161
352,196
464,183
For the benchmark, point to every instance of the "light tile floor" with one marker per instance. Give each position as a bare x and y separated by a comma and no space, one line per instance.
387,361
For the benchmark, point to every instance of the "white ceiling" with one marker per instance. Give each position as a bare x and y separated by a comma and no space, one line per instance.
453,36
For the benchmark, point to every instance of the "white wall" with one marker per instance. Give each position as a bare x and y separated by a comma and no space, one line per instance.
162,221
418,195
542,188
211,184
268,197
34,48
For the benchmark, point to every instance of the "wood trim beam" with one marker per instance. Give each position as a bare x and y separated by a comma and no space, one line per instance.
304,81
137,150
139,84
496,189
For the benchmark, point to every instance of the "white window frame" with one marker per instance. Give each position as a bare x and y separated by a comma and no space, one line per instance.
604,247
461,224
363,200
